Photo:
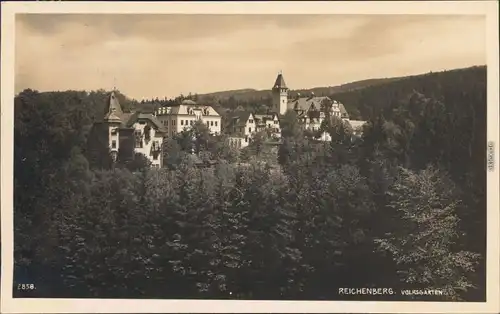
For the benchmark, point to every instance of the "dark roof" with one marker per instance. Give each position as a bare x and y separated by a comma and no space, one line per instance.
238,119
262,118
305,103
280,82
136,116
242,115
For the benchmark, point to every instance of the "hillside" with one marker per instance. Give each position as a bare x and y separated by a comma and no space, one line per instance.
447,86
246,95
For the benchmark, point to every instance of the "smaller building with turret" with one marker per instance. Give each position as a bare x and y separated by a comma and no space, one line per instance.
130,133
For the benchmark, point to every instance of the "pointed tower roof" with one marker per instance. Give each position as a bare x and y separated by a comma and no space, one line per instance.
114,110
280,82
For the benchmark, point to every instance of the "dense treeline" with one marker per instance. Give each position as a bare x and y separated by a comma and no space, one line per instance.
402,207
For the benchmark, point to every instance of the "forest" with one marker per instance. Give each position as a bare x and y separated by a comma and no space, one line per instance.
403,207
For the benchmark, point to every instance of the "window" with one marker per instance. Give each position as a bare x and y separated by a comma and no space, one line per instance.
208,123
275,122
211,123
182,122
113,144
250,121
191,122
249,130
215,123
138,139
155,157
166,122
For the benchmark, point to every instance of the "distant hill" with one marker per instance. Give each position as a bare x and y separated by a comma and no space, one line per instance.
229,93
361,98
448,86
249,94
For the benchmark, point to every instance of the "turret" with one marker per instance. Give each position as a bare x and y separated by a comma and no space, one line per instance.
280,95
112,120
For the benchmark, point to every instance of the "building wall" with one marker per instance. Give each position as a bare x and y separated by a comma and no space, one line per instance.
280,100
113,136
175,123
146,146
239,142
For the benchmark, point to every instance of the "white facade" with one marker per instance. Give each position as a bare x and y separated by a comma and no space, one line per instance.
239,141
148,144
175,119
114,138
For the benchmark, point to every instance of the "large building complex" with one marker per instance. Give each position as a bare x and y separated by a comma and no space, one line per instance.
177,118
311,111
145,132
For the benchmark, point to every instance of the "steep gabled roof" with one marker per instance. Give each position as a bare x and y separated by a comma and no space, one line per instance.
113,109
280,82
241,117
238,119
305,104
262,118
342,110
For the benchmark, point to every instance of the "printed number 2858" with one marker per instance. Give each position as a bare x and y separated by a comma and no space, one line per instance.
25,287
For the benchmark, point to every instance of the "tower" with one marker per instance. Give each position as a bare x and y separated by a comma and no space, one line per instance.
280,95
112,123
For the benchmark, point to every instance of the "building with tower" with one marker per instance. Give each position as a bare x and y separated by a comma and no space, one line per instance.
127,133
311,110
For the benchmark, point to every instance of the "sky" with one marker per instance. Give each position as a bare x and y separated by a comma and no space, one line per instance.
164,55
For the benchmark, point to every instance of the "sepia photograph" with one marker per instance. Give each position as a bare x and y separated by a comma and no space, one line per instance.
197,154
